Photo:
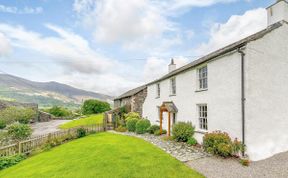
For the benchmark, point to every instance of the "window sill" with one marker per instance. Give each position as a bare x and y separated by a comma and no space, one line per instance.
172,95
201,90
157,97
201,131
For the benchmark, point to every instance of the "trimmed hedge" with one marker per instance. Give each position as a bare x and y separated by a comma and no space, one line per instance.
153,128
142,126
182,131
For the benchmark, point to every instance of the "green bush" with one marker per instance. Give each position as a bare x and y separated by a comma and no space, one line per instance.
157,132
93,106
121,129
182,131
131,124
142,125
153,128
2,124
20,114
192,141
9,161
19,131
58,111
81,132
132,115
219,143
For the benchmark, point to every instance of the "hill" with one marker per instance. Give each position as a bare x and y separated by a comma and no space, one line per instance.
44,93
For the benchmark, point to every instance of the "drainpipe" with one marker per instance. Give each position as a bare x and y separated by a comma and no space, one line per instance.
242,95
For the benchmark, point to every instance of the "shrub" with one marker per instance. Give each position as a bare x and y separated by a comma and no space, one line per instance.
131,124
93,106
58,111
157,132
132,115
182,131
153,128
121,129
142,126
81,132
192,141
20,114
219,143
19,131
8,161
2,124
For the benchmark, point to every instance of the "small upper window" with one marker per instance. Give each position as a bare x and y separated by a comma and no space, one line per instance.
158,90
202,78
173,86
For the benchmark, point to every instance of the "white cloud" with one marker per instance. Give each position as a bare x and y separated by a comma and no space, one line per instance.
25,10
69,49
137,24
236,28
5,46
155,67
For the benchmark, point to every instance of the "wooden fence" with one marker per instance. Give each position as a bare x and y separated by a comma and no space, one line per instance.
31,144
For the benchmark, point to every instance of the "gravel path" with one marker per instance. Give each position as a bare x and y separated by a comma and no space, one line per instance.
212,167
42,128
181,151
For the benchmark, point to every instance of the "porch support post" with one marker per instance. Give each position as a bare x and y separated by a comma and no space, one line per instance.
169,123
161,118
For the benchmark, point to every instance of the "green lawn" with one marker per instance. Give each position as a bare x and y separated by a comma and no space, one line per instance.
90,120
102,155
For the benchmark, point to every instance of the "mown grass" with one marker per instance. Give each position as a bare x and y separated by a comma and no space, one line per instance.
102,155
89,120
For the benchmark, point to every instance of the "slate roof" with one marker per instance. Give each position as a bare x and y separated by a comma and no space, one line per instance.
213,55
131,92
229,48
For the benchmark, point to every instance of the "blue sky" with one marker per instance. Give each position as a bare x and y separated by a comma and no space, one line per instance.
110,46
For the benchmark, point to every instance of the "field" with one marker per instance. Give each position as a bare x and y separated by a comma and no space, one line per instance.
89,120
102,155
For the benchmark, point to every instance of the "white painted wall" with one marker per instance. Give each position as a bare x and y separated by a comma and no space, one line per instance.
223,97
277,12
267,95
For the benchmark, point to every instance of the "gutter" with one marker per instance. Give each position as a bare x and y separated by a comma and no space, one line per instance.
242,53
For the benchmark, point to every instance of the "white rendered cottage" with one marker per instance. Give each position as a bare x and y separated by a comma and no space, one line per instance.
241,89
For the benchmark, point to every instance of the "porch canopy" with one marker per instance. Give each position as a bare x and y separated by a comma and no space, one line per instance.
169,107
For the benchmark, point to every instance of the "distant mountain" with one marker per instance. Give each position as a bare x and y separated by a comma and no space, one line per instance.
44,93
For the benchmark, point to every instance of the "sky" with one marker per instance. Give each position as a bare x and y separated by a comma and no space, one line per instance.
110,46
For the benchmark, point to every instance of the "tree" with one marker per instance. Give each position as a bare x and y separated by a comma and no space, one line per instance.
59,111
20,114
93,106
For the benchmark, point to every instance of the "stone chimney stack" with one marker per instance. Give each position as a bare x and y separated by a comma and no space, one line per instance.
277,12
172,66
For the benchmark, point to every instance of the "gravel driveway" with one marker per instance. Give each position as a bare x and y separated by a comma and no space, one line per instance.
212,167
41,128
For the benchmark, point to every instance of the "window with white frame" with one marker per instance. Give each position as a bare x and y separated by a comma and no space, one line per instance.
173,86
158,90
203,122
203,78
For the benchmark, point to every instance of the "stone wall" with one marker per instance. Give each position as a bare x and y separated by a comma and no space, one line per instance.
44,117
137,101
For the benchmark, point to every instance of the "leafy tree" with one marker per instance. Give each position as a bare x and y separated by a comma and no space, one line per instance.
20,114
18,131
93,106
59,111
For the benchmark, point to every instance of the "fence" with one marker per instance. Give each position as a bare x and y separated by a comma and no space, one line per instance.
31,144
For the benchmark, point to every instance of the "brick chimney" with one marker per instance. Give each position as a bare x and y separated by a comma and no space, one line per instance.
277,12
172,66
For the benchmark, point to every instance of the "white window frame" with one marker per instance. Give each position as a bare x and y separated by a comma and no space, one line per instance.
173,88
202,77
203,116
158,90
